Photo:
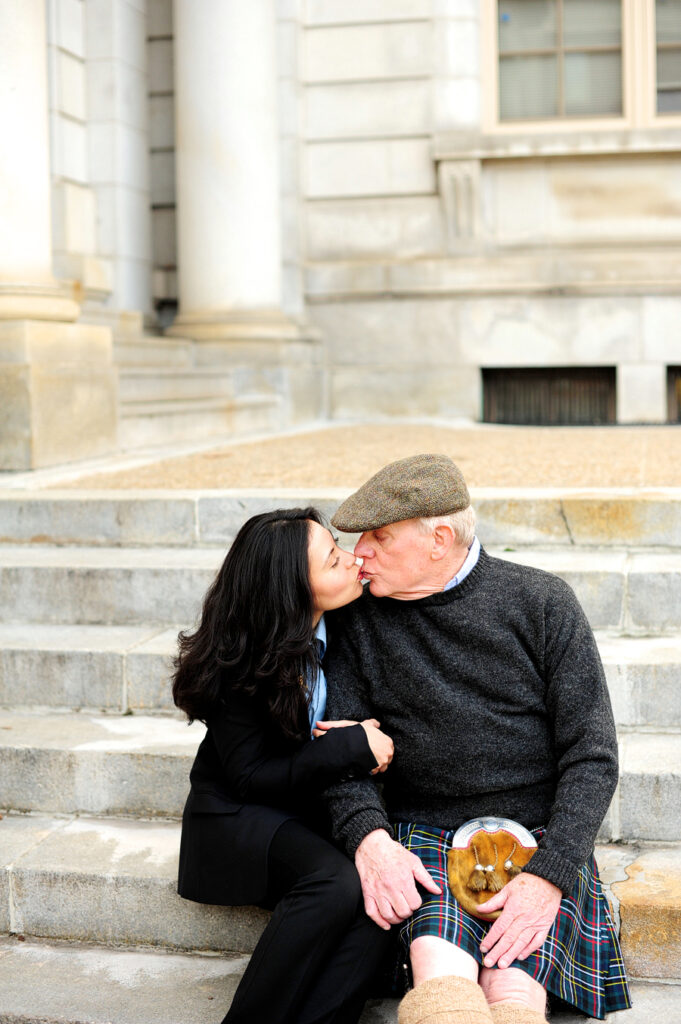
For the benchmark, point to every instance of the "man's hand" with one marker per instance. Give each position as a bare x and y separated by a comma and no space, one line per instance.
388,874
530,905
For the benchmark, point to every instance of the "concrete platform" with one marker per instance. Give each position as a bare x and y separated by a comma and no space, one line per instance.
42,983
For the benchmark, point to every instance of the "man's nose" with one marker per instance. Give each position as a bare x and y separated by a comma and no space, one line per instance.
363,548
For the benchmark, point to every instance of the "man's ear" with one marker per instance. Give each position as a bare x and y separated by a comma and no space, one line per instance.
443,540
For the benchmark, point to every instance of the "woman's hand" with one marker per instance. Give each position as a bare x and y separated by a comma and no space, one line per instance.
340,723
381,745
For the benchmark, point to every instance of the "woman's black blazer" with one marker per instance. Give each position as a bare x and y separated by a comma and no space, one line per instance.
246,780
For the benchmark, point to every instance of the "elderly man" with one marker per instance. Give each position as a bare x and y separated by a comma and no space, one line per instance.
487,677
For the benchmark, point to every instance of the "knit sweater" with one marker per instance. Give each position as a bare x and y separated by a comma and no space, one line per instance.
495,697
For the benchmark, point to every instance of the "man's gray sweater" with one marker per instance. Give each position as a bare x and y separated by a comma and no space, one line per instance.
495,697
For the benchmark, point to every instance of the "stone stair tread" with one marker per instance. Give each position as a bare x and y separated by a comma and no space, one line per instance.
653,751
115,734
96,764
615,650
639,650
76,557
81,984
160,407
166,371
39,636
593,559
552,560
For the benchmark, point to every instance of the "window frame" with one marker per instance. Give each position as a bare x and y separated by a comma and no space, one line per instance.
639,80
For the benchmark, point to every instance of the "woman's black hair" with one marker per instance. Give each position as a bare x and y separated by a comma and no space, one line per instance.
256,625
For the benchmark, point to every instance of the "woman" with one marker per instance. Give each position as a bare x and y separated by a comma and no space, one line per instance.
251,827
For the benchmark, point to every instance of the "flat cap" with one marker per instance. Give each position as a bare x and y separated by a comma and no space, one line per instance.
419,486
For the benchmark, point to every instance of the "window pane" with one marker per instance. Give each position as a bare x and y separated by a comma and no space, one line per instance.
593,83
668,21
592,22
528,87
527,25
669,102
669,67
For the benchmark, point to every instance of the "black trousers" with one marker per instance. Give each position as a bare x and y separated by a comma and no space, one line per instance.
316,959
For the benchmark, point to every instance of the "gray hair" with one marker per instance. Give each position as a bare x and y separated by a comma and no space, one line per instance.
462,524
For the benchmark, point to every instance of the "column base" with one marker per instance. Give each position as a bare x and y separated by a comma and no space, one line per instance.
38,302
274,353
58,393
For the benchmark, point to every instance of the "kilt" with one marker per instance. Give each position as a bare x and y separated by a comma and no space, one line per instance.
580,963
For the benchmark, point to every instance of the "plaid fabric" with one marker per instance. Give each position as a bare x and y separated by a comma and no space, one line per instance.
580,963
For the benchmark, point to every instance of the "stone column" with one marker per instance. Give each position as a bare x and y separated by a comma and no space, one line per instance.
57,385
27,287
227,171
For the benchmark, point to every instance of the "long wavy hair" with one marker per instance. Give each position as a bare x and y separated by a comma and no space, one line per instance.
256,625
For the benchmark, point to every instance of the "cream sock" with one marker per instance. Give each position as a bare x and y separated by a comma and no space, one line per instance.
445,1000
514,1013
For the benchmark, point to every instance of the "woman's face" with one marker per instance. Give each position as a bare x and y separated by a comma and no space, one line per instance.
334,573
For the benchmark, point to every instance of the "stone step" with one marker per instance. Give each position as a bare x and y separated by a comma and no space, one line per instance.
119,586
629,592
139,765
147,384
85,880
506,519
128,667
644,679
113,668
104,764
148,423
82,984
153,351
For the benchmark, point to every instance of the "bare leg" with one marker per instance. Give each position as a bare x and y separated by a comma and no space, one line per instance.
513,995
432,957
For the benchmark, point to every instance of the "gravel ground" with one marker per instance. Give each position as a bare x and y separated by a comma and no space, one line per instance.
489,456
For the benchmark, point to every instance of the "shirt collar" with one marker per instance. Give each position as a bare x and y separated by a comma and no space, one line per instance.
320,633
469,564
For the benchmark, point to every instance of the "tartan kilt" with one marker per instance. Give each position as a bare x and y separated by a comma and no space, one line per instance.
580,963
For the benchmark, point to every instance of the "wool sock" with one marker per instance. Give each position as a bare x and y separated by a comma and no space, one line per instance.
514,1013
445,1000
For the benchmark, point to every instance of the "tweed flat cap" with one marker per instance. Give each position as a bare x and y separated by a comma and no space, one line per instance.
421,485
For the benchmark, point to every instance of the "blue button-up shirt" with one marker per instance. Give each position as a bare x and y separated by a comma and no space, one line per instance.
317,708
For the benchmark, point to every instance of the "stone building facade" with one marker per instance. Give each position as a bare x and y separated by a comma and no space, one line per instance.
224,214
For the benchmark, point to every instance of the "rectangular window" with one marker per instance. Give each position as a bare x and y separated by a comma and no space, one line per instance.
560,58
668,54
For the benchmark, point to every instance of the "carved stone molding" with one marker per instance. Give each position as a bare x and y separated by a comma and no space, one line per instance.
459,187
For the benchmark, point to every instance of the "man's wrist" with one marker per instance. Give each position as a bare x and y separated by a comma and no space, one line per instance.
374,839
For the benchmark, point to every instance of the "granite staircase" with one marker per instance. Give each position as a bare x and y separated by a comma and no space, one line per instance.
94,761
166,398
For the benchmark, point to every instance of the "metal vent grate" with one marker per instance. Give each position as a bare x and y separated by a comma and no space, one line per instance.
674,394
567,396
